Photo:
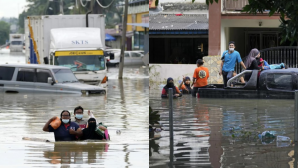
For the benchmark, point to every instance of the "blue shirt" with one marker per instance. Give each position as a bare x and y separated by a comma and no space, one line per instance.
62,133
230,60
266,65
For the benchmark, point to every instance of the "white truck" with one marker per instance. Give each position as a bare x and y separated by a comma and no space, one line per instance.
71,41
16,42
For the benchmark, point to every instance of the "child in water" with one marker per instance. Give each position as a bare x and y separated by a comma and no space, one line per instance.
185,85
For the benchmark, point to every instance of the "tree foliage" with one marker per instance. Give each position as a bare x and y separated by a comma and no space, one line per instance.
288,15
287,10
4,32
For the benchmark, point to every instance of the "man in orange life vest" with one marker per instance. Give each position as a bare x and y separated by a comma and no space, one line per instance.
200,76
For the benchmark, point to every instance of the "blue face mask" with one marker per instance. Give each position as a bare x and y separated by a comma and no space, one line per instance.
65,121
79,116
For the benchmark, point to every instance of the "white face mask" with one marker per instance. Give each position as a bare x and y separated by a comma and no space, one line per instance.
231,49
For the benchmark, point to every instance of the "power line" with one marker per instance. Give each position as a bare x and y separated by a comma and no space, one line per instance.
104,6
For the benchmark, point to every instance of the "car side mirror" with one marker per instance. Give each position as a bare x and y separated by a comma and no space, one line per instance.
50,81
112,56
46,60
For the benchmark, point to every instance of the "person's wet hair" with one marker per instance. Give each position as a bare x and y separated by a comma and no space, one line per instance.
63,112
91,119
232,42
77,108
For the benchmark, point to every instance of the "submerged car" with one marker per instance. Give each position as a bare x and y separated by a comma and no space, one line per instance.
271,84
21,78
130,57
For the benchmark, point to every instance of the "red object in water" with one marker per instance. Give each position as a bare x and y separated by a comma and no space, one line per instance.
198,95
179,14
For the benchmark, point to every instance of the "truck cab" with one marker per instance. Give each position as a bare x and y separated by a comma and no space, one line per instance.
65,40
81,50
89,66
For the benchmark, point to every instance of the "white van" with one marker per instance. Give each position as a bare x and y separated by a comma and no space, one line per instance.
20,78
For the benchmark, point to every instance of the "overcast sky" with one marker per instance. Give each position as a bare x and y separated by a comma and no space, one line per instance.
11,8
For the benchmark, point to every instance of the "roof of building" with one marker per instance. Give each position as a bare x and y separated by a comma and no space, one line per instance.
178,22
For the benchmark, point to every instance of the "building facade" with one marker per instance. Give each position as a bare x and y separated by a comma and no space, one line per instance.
228,23
138,12
179,32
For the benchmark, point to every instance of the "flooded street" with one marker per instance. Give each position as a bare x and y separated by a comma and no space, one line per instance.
15,57
223,133
124,109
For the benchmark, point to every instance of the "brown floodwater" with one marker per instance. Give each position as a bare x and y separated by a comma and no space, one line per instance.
223,133
124,108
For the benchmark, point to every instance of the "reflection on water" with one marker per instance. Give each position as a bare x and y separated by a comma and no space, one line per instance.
77,153
203,136
125,108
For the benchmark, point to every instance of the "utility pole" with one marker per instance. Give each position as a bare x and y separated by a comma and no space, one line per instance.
61,7
91,5
124,25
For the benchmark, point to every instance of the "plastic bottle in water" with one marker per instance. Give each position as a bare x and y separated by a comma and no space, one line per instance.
267,135
118,132
283,141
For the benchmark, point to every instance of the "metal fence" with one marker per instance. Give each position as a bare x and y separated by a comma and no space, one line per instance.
234,5
277,55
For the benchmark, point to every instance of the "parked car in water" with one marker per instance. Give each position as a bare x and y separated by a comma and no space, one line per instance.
130,57
20,78
271,84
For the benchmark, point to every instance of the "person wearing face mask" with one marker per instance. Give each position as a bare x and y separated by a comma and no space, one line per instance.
251,62
185,86
67,131
229,58
170,84
90,132
200,77
78,112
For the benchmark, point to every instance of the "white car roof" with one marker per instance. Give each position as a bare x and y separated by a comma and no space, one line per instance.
34,66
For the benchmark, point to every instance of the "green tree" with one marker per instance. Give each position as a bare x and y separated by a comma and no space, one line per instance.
287,10
4,32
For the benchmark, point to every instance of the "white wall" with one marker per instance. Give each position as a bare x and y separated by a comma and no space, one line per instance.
159,73
182,1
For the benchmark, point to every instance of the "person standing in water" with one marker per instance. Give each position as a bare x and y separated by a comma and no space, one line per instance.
200,76
185,86
67,131
170,84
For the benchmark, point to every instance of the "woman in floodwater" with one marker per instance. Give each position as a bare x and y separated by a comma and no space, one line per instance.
170,84
91,133
185,85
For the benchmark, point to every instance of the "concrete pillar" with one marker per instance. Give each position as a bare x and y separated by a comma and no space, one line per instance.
214,28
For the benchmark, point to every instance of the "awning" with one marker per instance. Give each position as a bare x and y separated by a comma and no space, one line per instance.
109,37
139,24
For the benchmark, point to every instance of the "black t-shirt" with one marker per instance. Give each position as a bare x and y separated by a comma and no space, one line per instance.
88,135
254,65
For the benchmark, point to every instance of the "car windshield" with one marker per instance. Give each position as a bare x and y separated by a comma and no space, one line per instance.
16,43
81,63
64,76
